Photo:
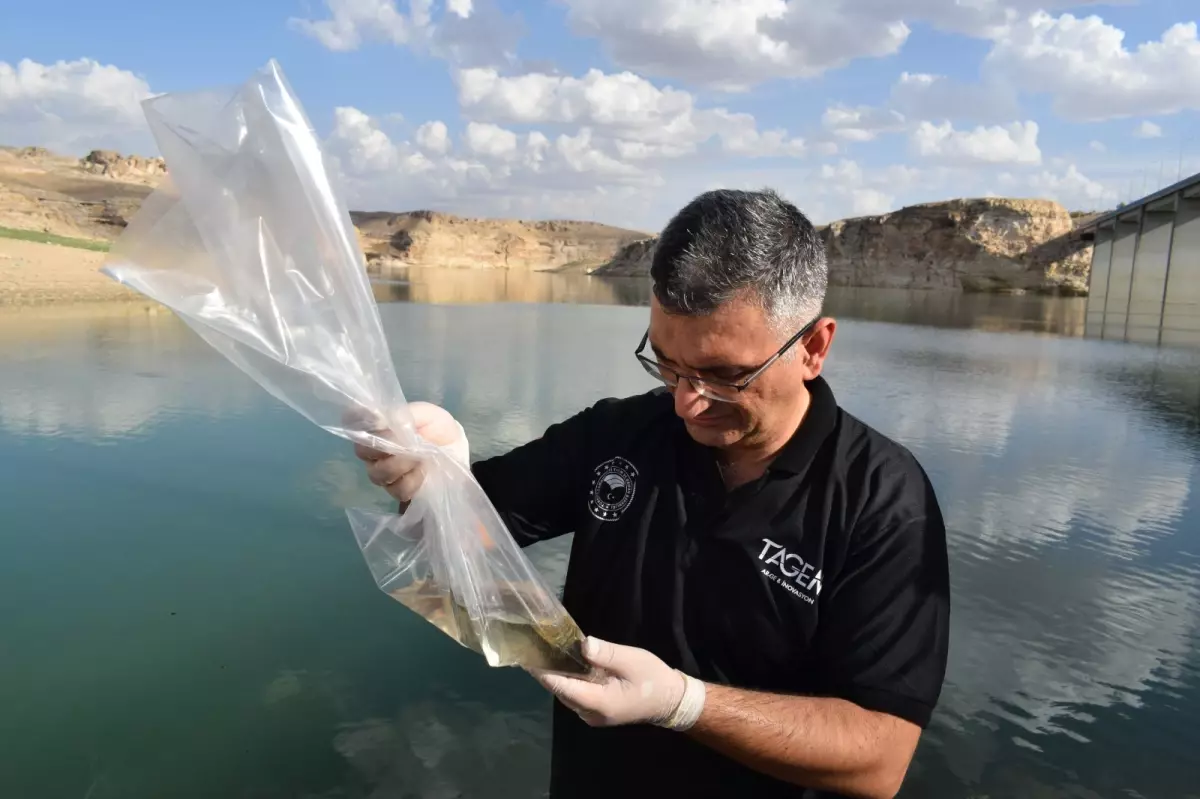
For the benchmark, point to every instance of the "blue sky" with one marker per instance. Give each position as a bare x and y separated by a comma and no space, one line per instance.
621,110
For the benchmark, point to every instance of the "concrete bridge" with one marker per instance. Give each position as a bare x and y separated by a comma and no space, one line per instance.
1145,278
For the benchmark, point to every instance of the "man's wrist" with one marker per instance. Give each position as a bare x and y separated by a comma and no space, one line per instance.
691,704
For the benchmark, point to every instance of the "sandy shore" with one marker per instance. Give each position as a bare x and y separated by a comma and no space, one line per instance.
40,274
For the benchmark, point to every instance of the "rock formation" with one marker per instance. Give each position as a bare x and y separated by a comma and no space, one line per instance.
32,153
429,238
972,245
633,260
91,197
123,167
965,245
989,244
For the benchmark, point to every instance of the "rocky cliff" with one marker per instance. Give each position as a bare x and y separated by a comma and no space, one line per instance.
967,245
93,197
633,260
988,244
428,238
132,168
90,197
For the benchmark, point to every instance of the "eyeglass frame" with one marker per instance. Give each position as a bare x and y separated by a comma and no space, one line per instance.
740,385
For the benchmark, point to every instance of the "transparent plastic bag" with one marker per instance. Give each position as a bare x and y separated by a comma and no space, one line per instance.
249,243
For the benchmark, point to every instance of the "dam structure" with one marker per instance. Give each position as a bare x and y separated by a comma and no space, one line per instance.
1144,285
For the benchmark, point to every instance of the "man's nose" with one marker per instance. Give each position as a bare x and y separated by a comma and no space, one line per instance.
688,401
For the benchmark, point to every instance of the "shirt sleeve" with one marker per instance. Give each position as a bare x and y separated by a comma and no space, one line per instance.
883,638
535,487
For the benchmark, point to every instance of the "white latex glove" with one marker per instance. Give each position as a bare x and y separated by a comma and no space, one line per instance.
400,475
634,687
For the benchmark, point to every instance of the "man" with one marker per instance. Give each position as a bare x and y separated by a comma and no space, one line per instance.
764,576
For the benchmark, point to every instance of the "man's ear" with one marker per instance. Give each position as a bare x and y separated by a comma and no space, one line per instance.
816,346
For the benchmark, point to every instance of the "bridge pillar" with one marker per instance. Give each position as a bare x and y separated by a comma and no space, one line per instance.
1120,278
1098,282
1149,279
1181,305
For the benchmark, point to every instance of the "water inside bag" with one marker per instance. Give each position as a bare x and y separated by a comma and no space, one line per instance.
507,637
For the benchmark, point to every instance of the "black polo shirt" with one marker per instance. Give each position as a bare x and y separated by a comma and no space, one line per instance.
827,577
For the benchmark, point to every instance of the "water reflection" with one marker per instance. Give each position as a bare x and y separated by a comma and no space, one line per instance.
445,749
104,371
1166,386
1030,313
993,312
471,286
1074,528
1054,445
513,370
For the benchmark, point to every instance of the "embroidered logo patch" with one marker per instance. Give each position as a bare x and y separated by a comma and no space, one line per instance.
613,488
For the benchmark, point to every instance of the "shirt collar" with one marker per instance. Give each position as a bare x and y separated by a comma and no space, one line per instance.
819,421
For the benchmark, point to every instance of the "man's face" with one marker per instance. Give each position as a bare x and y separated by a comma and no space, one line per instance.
729,344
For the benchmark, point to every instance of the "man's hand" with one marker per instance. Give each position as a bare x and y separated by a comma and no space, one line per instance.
820,743
401,476
634,687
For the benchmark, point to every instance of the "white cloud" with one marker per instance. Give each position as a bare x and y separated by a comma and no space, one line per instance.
740,135
1066,185
622,100
490,141
845,173
73,106
846,189
1148,130
501,172
1011,144
924,96
640,151
867,202
1084,65
1073,189
645,121
978,18
579,153
352,22
1096,146
434,137
860,124
734,44
465,33
915,96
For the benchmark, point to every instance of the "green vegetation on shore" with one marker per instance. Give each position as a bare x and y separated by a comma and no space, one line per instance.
50,238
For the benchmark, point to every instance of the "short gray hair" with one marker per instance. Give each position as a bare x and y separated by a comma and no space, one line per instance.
729,243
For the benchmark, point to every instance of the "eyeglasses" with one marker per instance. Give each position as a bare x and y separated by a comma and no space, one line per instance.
720,390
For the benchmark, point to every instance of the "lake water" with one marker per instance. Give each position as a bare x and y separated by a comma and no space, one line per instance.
184,612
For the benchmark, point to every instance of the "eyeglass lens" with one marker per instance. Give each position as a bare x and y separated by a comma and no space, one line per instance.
671,378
